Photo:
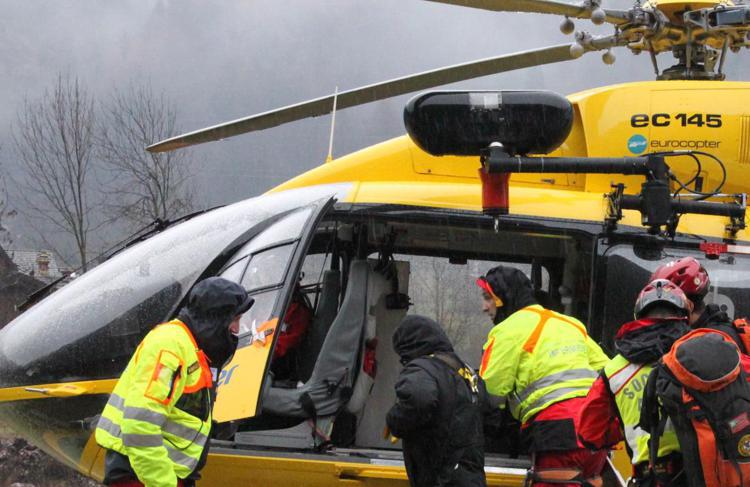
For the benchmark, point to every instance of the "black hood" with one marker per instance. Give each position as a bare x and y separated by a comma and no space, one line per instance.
212,305
512,287
714,318
417,336
646,340
712,315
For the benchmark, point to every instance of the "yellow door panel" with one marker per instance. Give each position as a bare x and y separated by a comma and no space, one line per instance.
239,383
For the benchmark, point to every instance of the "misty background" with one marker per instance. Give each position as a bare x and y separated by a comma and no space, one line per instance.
221,60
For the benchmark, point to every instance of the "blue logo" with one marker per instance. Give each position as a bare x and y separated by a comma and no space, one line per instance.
637,144
225,376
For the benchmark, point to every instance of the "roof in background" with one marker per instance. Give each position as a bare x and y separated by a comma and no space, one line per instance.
32,263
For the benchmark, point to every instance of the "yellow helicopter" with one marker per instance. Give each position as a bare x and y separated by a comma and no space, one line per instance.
588,194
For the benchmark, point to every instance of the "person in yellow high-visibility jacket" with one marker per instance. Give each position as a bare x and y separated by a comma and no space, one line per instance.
540,364
157,422
612,411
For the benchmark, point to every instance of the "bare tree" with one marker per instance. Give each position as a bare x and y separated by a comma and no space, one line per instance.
6,212
54,140
144,186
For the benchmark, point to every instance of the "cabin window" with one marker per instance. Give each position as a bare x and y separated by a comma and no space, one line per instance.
260,312
448,293
730,284
234,272
628,270
313,268
262,264
267,268
287,229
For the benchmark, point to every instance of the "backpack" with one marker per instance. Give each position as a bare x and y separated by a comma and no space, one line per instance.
463,432
701,387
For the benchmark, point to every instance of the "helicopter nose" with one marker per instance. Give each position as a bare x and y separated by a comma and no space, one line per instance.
58,418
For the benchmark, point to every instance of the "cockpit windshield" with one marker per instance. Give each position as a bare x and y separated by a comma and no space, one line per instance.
99,318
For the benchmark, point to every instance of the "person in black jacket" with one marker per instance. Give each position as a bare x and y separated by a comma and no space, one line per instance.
438,412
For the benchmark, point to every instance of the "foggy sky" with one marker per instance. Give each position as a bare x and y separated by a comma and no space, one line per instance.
222,60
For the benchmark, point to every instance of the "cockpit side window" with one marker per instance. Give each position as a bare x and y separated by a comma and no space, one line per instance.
260,312
267,268
234,271
264,301
261,265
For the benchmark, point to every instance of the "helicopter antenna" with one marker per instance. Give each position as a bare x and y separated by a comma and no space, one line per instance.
653,57
329,158
723,55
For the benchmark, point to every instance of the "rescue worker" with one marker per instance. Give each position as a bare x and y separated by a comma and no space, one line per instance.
296,321
612,410
438,409
541,364
692,278
157,422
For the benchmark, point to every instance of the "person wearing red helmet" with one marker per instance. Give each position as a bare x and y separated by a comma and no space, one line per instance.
612,410
692,278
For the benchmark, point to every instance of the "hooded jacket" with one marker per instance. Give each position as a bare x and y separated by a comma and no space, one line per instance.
437,414
212,305
646,340
716,319
512,287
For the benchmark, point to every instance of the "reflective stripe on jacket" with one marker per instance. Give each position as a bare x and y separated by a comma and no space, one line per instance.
627,382
537,357
159,414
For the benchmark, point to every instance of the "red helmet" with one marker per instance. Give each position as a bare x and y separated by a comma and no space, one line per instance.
687,273
662,291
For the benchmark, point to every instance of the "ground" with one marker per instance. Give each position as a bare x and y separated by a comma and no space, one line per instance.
23,465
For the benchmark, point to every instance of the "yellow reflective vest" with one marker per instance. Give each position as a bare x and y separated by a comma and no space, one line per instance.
159,414
627,382
537,357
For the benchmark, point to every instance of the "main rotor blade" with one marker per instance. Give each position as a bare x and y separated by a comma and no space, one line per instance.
370,93
580,11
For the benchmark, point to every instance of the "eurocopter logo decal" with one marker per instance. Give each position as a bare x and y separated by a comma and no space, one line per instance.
637,144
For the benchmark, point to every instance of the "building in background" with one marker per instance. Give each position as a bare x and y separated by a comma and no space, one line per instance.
39,264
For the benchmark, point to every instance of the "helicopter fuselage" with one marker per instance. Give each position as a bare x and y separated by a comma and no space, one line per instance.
365,230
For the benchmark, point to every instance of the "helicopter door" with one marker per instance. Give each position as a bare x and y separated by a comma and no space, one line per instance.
267,266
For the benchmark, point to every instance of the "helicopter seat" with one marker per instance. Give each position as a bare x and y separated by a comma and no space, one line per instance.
377,290
332,379
371,416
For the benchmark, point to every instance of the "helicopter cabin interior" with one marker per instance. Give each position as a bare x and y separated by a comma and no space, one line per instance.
362,270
